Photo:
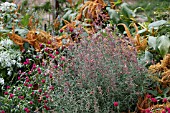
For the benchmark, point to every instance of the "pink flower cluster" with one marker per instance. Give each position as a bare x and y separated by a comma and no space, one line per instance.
27,62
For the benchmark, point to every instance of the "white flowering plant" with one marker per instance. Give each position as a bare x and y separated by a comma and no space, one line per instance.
1,81
8,15
10,59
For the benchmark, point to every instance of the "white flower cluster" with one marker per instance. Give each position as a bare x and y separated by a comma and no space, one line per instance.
10,57
1,81
8,7
6,43
8,14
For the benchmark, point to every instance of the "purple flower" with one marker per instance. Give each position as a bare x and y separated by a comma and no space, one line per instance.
163,111
164,100
56,52
27,60
51,76
154,100
27,110
2,111
43,81
21,97
30,85
46,49
19,78
40,90
31,102
8,87
61,30
51,55
49,42
34,66
5,93
63,58
52,87
11,95
115,104
148,96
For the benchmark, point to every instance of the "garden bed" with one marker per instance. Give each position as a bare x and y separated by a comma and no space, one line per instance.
95,57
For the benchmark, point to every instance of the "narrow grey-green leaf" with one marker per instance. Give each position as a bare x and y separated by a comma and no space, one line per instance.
113,15
152,42
163,44
4,31
142,31
156,24
72,16
153,92
67,14
127,11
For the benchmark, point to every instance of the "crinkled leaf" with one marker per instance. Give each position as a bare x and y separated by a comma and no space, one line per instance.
146,59
84,34
156,24
148,56
152,42
113,15
21,32
163,44
126,11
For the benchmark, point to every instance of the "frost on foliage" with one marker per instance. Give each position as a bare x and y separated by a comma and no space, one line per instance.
10,57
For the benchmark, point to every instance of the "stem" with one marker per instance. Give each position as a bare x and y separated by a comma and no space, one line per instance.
118,110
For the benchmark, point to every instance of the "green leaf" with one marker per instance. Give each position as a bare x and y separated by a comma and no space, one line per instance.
67,14
64,41
149,19
4,31
138,8
86,25
163,44
26,46
165,91
156,24
118,2
84,34
155,93
152,42
148,56
142,31
113,15
21,32
146,59
126,11
25,20
72,16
